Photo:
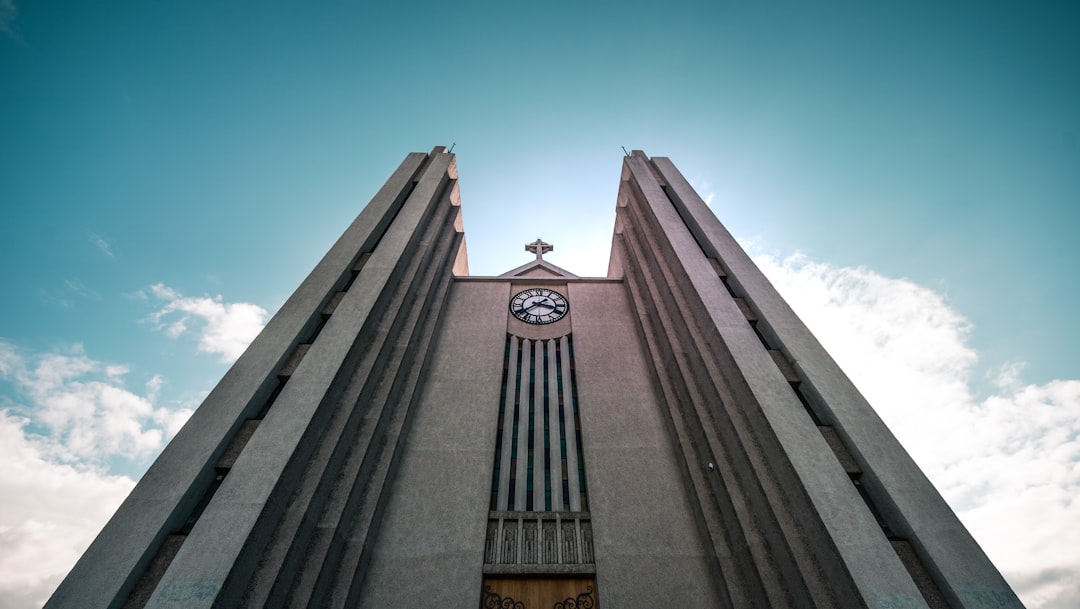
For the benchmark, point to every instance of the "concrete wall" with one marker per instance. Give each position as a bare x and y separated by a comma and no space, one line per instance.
648,547
429,548
812,502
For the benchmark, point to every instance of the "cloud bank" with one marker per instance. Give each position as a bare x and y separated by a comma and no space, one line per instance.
223,328
82,408
1009,464
50,513
73,416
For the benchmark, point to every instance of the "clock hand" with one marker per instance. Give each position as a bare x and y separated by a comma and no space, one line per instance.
539,303
527,309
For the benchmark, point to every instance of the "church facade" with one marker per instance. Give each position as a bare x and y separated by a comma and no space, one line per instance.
403,434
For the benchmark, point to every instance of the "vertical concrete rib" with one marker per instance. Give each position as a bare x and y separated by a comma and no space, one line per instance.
345,567
701,340
728,432
348,428
902,491
228,539
167,493
699,299
350,452
726,513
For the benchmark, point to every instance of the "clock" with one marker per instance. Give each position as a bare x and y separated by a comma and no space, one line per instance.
539,306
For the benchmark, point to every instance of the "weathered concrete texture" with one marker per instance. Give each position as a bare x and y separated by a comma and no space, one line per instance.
899,489
150,578
409,239
347,457
175,483
648,550
662,217
429,549
645,540
784,502
226,543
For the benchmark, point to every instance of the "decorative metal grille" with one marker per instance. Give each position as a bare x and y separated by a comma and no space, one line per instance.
584,600
492,600
539,538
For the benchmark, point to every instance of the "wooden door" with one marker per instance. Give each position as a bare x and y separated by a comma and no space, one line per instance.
538,593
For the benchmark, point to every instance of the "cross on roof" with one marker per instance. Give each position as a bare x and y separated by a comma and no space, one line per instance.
539,248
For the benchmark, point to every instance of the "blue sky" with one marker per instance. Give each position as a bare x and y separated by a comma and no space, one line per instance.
215,150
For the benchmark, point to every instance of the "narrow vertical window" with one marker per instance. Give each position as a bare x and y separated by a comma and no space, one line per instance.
540,514
514,443
539,462
577,425
547,433
496,476
531,442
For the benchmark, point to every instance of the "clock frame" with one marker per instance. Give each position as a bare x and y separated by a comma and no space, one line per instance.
539,306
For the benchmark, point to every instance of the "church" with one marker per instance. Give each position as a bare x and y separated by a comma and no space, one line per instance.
404,434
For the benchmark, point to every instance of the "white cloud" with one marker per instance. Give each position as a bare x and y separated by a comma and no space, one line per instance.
84,406
101,243
1009,464
224,328
72,416
50,514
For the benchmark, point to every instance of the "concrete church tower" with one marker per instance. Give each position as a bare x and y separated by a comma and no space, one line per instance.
402,434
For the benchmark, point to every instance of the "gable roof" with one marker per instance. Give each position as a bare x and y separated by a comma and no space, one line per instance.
538,268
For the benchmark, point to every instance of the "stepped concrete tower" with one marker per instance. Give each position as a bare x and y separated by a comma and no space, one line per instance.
403,434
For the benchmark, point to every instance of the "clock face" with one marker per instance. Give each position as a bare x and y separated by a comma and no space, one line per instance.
539,306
